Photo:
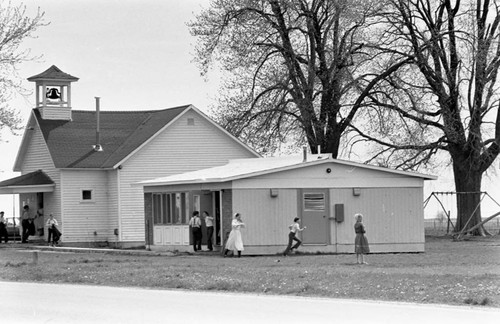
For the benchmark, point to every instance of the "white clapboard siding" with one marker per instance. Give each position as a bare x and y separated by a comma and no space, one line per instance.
113,200
184,146
391,215
37,157
88,220
57,113
341,176
266,218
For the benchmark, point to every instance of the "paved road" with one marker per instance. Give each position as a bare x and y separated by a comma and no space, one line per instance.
56,303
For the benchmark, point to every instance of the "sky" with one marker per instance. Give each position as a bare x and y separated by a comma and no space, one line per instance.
134,55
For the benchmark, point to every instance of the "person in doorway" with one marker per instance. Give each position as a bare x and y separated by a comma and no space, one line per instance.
292,236
3,228
235,242
25,224
195,223
52,229
209,221
361,246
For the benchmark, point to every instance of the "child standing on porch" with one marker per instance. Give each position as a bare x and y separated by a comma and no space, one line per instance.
3,228
361,242
195,223
52,229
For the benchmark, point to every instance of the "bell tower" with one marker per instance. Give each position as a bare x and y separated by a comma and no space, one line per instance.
53,93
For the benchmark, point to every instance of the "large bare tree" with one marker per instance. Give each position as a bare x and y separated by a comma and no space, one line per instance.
447,99
15,26
291,67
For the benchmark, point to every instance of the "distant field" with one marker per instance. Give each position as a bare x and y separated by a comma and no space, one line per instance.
457,273
440,227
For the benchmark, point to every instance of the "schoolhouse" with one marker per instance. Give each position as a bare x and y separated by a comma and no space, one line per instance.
270,192
81,166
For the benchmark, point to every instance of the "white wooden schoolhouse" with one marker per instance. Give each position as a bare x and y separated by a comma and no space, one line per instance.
81,165
270,192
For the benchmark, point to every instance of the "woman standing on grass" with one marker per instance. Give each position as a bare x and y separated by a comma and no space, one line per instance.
361,242
234,242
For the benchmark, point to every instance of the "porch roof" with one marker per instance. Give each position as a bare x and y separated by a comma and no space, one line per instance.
36,181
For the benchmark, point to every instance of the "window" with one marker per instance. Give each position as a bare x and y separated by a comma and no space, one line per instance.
196,203
171,208
314,201
87,195
157,210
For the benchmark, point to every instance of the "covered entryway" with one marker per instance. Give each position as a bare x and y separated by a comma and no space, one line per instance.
31,188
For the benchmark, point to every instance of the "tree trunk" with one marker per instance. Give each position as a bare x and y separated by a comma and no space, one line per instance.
468,189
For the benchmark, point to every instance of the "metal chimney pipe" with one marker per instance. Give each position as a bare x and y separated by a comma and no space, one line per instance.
304,152
97,146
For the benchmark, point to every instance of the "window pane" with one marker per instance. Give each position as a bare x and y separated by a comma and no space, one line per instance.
186,209
169,209
164,209
177,212
183,208
86,194
156,209
314,201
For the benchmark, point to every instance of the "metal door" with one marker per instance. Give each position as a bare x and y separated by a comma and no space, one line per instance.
314,207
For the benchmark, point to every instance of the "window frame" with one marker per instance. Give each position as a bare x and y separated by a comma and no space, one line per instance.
170,208
82,197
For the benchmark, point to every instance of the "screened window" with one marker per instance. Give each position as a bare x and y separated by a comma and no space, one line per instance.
314,201
171,208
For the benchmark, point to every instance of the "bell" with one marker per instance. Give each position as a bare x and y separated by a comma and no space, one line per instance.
53,93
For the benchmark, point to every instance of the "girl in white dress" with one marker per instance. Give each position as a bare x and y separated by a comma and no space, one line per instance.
234,242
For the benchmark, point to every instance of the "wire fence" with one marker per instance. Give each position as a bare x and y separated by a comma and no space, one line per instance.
439,226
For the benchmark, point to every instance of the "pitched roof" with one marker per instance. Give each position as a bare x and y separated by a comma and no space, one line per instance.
70,143
29,179
246,168
53,73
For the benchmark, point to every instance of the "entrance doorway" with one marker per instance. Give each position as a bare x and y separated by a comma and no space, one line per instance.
315,215
217,213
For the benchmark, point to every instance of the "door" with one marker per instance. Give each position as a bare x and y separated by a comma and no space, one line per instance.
314,210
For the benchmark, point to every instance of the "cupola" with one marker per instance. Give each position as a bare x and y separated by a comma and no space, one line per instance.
53,93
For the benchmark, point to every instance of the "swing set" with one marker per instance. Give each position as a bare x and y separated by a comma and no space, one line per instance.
453,195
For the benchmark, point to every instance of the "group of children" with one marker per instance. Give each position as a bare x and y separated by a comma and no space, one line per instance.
53,236
235,242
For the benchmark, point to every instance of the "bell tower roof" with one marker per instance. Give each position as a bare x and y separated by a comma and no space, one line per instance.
53,93
53,73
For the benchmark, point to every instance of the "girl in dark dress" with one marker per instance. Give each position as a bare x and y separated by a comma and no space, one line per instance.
360,243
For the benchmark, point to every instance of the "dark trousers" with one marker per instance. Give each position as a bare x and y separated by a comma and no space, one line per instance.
210,234
24,235
291,238
52,235
196,238
3,233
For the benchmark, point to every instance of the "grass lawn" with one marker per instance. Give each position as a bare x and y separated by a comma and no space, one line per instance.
455,273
